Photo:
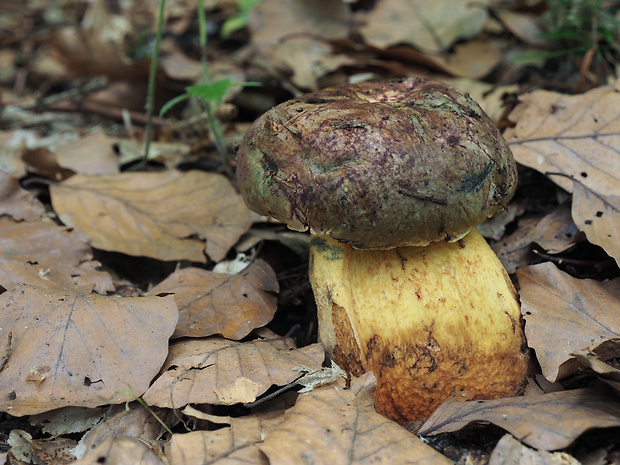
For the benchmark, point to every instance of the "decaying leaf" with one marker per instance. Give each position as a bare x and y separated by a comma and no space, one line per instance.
155,214
49,256
337,426
219,371
549,421
74,349
564,314
216,303
573,140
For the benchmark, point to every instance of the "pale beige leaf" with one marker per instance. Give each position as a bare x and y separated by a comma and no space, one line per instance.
16,202
549,421
216,303
431,27
237,443
49,256
92,154
73,349
220,371
564,314
574,140
509,451
155,214
336,426
121,450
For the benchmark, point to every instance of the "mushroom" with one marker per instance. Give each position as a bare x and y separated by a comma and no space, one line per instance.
391,179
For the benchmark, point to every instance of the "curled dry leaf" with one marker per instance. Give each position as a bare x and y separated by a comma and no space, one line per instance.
74,349
431,27
48,256
549,421
16,202
573,140
216,303
222,372
564,314
121,450
344,422
155,214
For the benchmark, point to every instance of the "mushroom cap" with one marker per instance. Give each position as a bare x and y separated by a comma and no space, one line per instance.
377,164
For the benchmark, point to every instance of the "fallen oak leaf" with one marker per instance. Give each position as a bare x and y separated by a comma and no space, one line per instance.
74,349
217,303
548,421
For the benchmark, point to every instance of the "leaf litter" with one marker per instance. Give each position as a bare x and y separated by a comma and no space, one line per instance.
221,359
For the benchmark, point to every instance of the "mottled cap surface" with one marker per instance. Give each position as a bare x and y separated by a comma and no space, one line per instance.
377,164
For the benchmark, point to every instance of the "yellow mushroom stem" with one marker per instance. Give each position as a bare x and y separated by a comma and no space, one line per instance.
432,323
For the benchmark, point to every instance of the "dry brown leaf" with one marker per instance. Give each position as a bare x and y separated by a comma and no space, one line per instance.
556,232
336,426
309,59
120,450
54,451
574,140
237,443
49,256
216,303
549,421
92,155
431,27
219,371
598,216
72,349
474,59
592,361
528,27
564,314
509,451
514,250
154,214
16,202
